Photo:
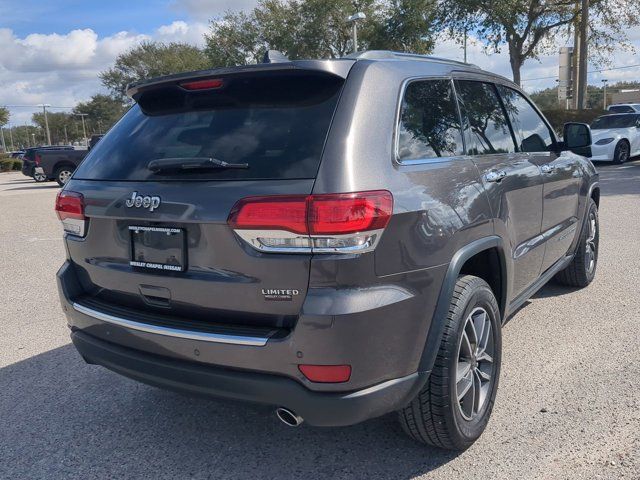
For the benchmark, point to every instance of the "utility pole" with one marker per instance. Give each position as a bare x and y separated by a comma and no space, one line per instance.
46,121
66,138
583,54
4,146
464,44
354,19
84,128
11,139
604,97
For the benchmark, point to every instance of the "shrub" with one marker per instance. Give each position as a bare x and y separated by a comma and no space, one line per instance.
6,164
558,117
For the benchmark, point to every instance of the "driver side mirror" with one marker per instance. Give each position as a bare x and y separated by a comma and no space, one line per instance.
577,138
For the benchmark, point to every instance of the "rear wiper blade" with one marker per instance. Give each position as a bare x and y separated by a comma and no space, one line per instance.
193,163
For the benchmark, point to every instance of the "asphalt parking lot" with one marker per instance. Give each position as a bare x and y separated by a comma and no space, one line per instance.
568,405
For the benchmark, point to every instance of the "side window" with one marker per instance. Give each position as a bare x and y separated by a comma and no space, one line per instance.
429,123
531,131
487,128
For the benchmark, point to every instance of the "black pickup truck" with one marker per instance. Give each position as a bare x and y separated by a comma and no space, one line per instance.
49,163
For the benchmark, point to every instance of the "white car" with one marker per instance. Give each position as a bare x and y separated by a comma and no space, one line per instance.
616,138
624,108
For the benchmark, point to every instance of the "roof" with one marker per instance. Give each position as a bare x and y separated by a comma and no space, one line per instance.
392,55
337,66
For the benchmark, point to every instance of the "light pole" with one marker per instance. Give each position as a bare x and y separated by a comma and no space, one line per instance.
4,146
11,139
46,121
33,137
604,98
353,20
84,129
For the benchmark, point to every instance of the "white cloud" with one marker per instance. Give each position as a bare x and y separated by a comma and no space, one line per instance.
62,69
545,66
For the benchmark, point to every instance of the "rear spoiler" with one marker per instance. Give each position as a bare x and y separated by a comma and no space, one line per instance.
339,67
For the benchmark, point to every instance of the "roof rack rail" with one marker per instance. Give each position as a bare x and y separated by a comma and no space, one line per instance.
391,55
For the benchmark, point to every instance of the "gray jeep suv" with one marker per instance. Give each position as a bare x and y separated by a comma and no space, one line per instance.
337,238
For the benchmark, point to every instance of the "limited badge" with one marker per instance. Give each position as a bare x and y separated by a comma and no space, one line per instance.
278,295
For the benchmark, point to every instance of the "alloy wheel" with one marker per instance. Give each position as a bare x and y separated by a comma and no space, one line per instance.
475,366
590,244
64,176
623,154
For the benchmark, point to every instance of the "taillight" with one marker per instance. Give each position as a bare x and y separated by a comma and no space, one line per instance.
324,223
70,211
207,84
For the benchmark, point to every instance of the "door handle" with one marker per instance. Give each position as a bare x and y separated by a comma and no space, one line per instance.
495,175
547,168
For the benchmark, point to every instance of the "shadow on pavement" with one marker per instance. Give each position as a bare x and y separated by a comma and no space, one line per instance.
35,186
61,418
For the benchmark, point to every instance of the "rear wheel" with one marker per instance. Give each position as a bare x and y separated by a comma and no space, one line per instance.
582,268
622,152
453,408
63,174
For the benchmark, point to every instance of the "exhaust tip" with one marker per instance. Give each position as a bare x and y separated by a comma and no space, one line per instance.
287,417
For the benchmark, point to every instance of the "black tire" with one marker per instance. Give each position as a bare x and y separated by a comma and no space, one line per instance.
622,152
581,271
435,416
63,173
39,178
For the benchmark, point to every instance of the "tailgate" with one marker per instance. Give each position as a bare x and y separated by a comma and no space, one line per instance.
224,280
216,141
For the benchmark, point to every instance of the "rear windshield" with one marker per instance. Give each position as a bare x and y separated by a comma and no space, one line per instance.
614,121
276,124
621,109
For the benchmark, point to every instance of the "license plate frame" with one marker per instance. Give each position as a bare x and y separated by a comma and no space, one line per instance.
147,248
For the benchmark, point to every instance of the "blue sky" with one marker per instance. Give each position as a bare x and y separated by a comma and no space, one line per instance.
53,51
104,17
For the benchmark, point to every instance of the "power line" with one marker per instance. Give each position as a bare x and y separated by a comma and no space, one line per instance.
37,106
591,71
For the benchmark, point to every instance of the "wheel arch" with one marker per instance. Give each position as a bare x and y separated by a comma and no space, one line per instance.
63,163
489,249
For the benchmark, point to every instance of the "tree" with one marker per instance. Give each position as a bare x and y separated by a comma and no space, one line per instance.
407,27
4,116
529,27
318,29
102,112
62,126
151,59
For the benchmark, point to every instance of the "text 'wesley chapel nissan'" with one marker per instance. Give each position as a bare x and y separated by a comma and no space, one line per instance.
338,238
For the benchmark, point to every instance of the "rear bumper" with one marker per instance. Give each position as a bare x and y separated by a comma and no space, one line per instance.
316,408
379,343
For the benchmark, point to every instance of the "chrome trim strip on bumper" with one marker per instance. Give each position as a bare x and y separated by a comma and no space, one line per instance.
172,332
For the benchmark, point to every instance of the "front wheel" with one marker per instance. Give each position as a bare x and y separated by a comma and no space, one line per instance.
40,177
453,408
582,269
622,152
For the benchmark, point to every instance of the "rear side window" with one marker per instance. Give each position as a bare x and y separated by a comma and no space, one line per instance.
487,128
276,123
429,122
532,133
